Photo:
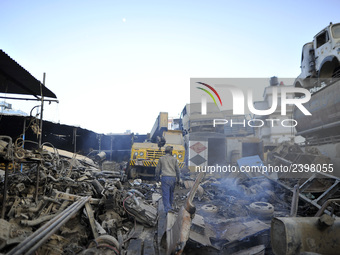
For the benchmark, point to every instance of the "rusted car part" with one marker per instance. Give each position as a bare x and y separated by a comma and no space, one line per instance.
114,208
262,210
71,197
35,222
70,155
106,242
12,233
178,234
92,221
34,241
325,205
239,233
141,211
6,147
209,208
316,190
304,234
288,154
199,232
190,184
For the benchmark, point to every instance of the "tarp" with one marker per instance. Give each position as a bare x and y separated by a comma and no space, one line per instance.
14,79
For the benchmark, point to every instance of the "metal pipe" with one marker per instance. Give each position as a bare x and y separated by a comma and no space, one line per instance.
323,207
65,203
36,233
189,206
34,241
283,160
30,99
134,198
31,223
51,200
31,237
295,201
37,208
49,232
23,140
137,192
178,234
42,109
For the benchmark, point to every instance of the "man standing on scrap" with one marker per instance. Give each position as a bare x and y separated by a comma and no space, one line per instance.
167,168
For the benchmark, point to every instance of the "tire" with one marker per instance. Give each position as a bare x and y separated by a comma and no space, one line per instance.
209,208
132,173
105,239
262,210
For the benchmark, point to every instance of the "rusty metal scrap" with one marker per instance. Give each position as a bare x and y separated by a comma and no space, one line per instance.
178,234
43,210
116,216
288,153
296,235
12,233
34,241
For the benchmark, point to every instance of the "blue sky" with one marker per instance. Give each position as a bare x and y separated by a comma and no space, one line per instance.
114,65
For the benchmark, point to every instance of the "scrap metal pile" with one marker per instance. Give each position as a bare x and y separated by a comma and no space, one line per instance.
233,215
54,204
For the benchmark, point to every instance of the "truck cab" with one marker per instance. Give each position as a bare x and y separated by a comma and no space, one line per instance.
320,58
327,51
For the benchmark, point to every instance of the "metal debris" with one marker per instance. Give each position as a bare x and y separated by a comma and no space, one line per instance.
56,203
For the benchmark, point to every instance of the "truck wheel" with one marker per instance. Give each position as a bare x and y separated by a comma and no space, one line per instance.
209,208
132,173
262,210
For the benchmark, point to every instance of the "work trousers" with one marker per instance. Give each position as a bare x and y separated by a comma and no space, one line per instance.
168,188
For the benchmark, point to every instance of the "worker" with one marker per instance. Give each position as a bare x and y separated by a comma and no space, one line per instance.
167,171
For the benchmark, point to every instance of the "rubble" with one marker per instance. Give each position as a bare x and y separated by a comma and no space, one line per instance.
56,202
47,189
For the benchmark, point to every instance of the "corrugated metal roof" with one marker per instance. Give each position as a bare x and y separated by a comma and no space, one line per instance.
14,79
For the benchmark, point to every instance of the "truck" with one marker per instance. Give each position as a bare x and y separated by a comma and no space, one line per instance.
320,73
145,155
320,59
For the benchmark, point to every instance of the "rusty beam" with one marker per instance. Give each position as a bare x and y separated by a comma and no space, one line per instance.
90,215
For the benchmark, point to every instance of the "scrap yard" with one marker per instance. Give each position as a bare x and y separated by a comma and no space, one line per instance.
62,203
262,182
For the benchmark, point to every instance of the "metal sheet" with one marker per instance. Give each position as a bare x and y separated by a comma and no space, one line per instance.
16,80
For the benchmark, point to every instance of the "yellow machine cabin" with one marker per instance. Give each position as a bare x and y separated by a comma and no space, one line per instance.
144,156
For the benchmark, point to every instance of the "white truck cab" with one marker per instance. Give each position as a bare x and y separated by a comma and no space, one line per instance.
320,58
